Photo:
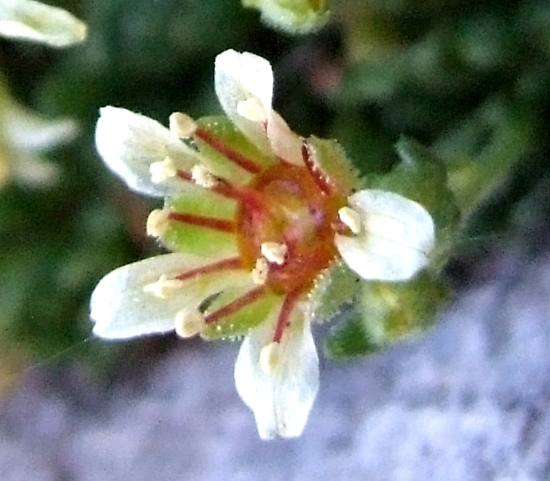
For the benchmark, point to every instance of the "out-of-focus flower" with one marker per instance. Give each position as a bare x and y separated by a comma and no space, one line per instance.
258,219
35,21
294,16
23,136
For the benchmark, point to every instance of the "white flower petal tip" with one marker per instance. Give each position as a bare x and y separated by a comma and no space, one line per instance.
244,85
35,21
130,144
252,109
396,239
243,77
278,381
125,303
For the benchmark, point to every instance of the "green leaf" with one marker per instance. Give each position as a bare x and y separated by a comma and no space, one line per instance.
350,339
386,313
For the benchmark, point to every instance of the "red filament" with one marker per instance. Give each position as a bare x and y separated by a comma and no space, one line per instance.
248,298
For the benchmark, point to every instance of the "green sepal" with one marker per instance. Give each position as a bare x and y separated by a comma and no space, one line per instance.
333,290
224,131
385,313
198,240
350,339
330,161
422,177
241,321
293,16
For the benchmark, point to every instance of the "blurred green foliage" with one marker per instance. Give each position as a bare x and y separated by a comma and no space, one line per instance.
469,80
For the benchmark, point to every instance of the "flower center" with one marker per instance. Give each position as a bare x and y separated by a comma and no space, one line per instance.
292,211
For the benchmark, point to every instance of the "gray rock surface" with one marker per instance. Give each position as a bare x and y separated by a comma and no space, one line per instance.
469,401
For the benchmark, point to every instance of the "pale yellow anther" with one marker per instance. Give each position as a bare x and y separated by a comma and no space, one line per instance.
182,125
189,322
163,287
351,218
252,109
157,222
260,272
274,252
203,177
269,357
162,170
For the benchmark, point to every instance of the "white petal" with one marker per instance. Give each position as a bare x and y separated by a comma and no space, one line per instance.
281,400
397,237
121,308
284,142
33,171
240,77
28,131
30,20
129,143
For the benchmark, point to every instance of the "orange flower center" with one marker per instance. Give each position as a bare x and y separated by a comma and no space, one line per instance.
293,210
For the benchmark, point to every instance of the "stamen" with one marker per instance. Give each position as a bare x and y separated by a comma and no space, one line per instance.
284,315
351,218
230,154
232,263
260,272
252,109
269,357
157,222
274,252
163,287
203,177
182,125
163,170
239,303
202,221
189,322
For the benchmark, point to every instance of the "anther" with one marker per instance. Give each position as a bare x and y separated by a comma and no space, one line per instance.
252,109
260,272
162,170
274,252
182,125
351,218
269,357
157,222
163,287
203,177
189,322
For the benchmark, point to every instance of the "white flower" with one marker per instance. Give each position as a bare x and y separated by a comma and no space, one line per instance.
254,223
31,20
24,135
